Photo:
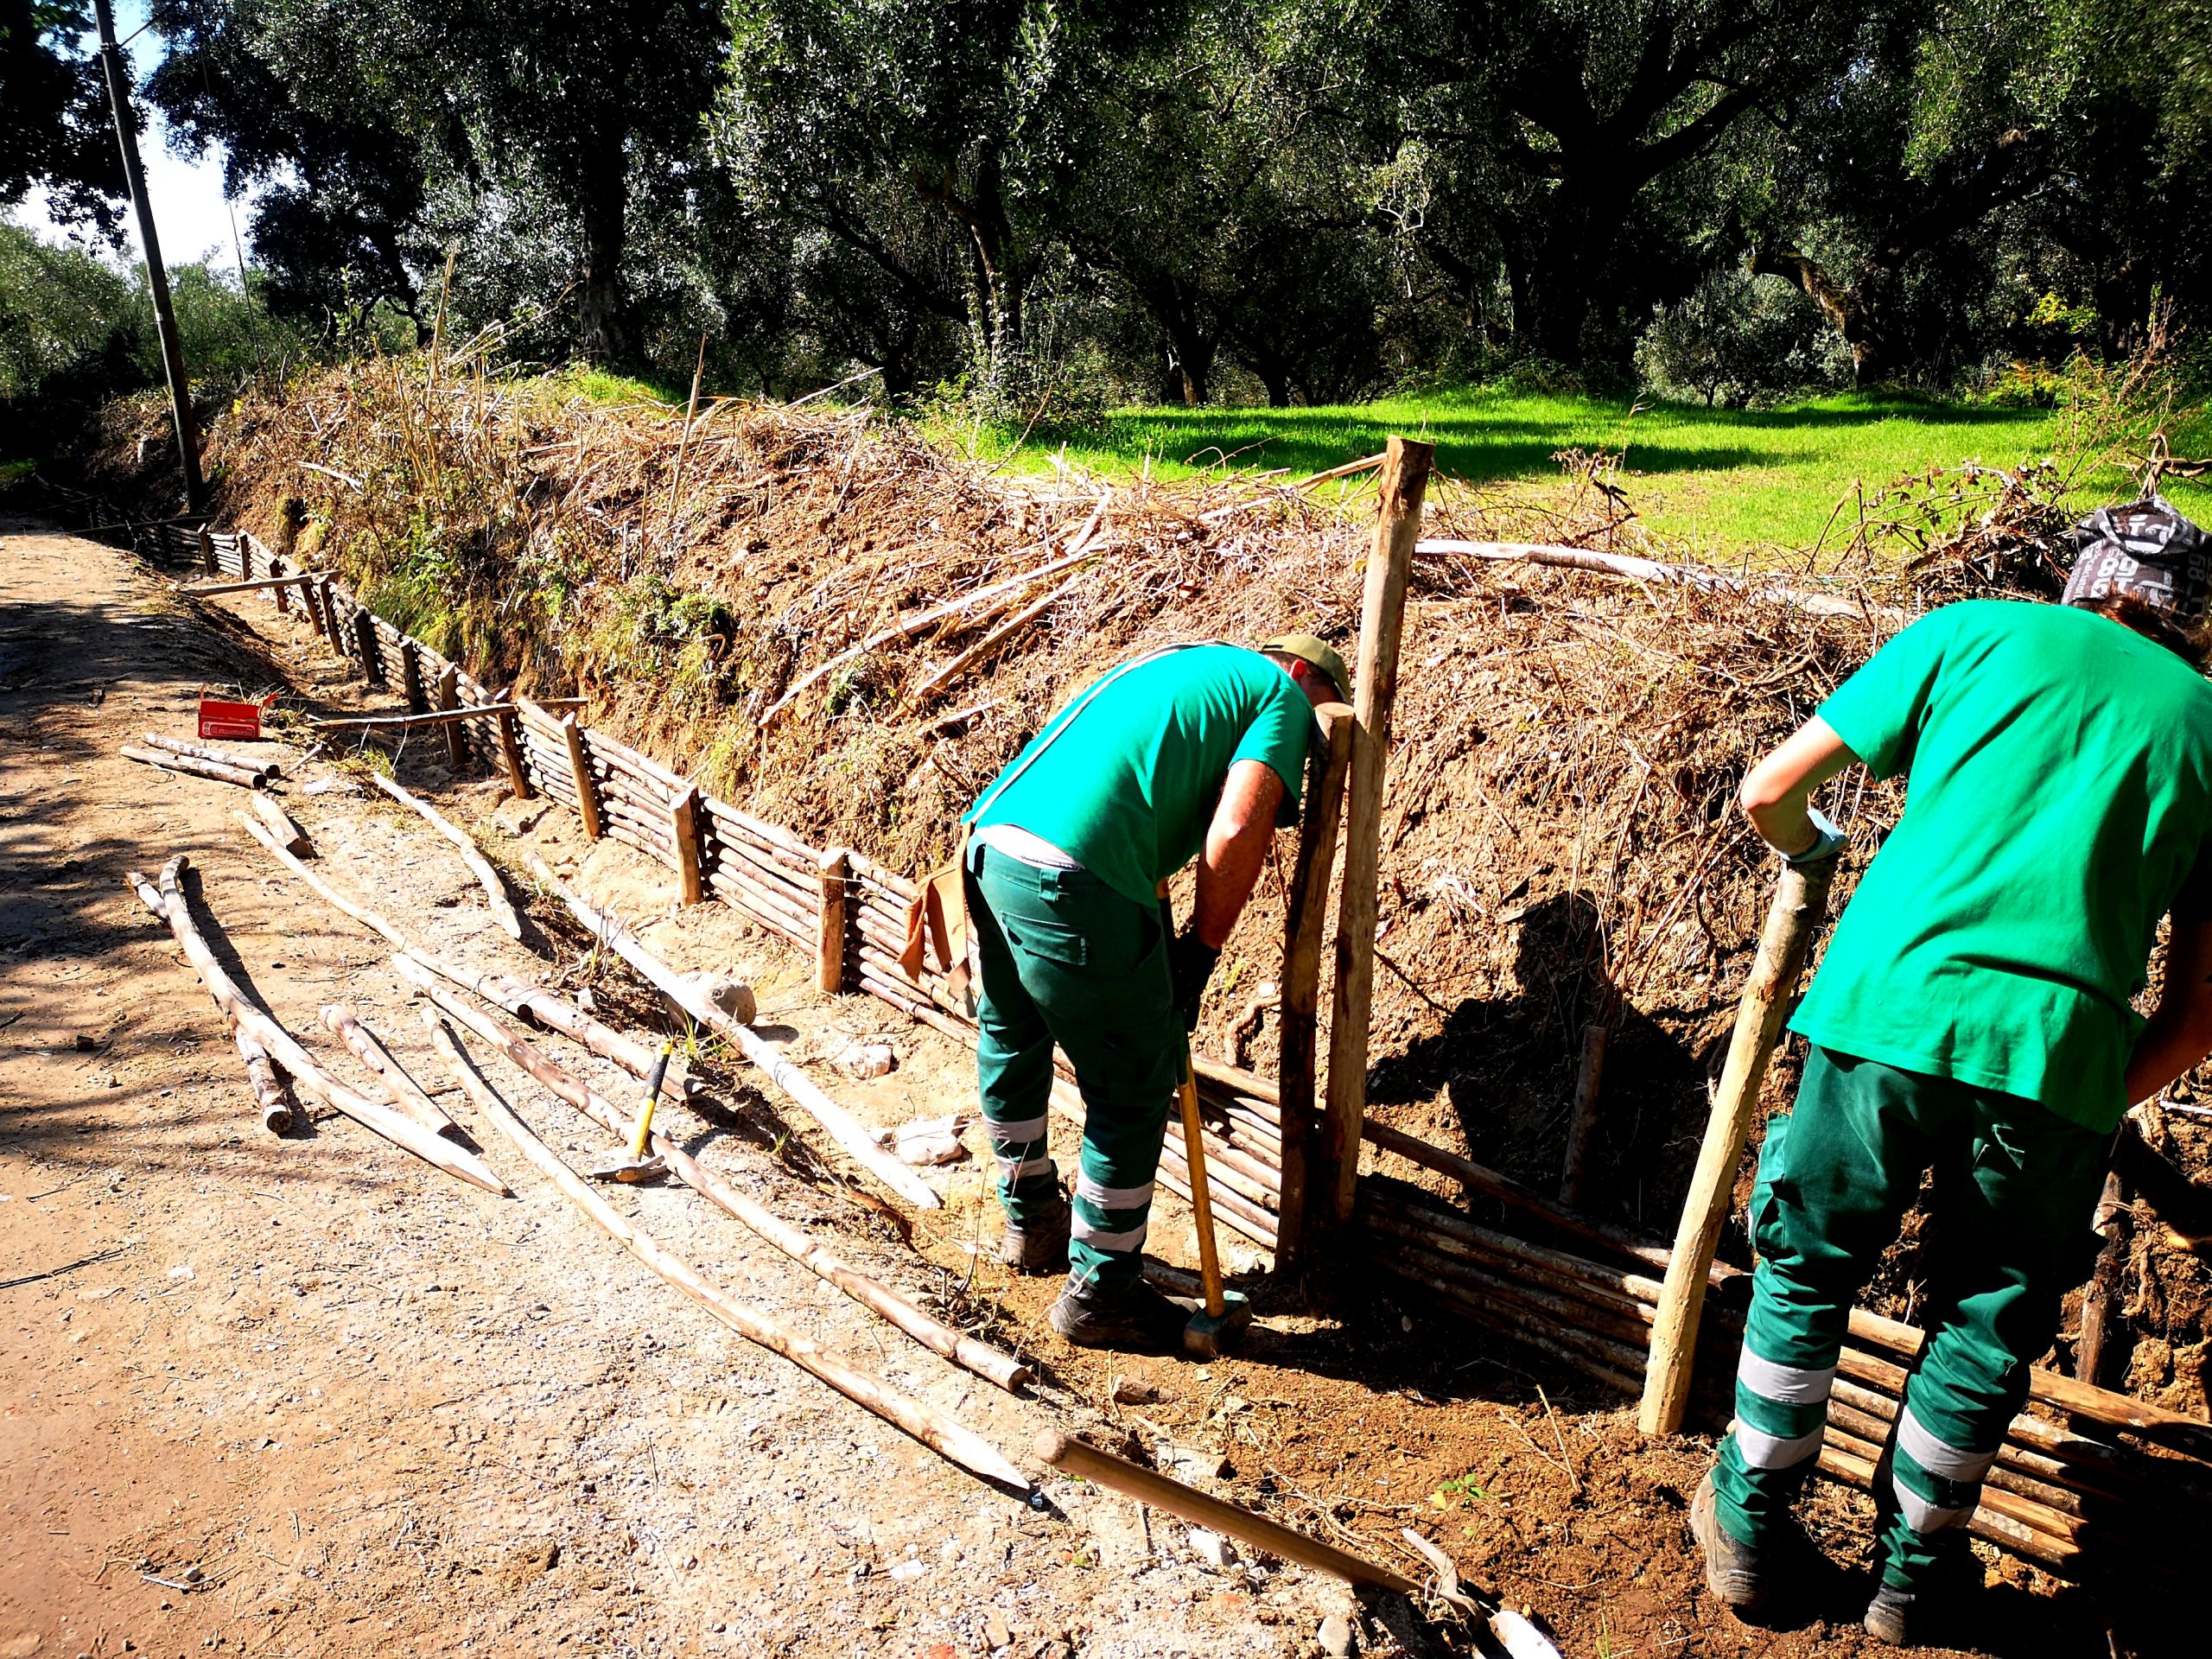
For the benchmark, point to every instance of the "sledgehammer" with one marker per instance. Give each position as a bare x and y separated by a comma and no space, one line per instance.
1217,1326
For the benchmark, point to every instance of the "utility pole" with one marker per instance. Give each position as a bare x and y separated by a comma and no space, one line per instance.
157,279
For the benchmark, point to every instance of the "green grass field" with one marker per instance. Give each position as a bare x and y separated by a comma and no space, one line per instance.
1714,483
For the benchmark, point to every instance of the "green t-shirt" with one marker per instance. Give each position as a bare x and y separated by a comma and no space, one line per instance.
2060,769
1128,787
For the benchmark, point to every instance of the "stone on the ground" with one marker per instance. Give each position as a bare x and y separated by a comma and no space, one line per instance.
995,1630
1335,1636
1211,1547
1134,1391
866,1060
730,997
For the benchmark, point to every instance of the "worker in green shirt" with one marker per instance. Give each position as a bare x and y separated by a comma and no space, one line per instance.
1194,752
1972,1016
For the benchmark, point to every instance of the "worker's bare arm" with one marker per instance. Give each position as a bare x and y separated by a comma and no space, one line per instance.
1236,845
2179,1032
1775,792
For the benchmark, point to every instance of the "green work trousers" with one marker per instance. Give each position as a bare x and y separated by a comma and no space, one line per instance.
2015,1187
1065,959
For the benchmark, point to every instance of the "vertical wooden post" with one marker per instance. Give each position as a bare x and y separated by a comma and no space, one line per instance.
365,643
1402,484
511,756
580,773
326,606
1302,972
456,738
683,816
1784,942
1575,1169
244,542
410,676
207,561
830,923
2110,1223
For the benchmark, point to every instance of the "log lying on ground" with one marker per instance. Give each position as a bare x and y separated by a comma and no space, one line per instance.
495,892
194,765
1200,1509
399,1088
840,1125
963,1350
369,918
167,902
262,1077
202,752
209,590
941,1433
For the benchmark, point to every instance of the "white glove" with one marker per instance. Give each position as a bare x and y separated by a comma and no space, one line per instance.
1829,841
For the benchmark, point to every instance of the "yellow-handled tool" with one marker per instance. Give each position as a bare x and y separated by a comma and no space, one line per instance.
1218,1324
637,1167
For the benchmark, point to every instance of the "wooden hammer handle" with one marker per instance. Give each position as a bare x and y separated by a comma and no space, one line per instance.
1194,1153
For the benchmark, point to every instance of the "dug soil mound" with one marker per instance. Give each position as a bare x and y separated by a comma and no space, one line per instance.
848,632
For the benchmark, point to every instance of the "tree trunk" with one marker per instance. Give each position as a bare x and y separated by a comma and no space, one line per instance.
1850,309
602,310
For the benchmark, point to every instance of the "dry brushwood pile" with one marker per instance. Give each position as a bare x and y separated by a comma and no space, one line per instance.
846,631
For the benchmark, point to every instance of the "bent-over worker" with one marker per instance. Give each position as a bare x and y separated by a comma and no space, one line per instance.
1972,1015
1195,751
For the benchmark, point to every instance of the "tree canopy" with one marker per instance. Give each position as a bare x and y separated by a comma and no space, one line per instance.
1193,199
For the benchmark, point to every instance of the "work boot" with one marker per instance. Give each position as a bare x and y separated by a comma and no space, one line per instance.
1040,1245
1132,1319
1923,1615
1750,1580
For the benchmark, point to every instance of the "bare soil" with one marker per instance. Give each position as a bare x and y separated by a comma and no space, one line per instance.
309,1397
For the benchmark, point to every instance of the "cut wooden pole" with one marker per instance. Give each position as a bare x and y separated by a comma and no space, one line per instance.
580,775
1800,900
1301,971
428,717
280,824
198,768
829,921
202,752
269,1096
411,678
495,892
1150,1486
1400,488
965,1351
449,703
840,1125
208,562
209,590
683,825
933,1428
326,607
360,912
1574,1170
167,902
397,1086
2100,1300
519,783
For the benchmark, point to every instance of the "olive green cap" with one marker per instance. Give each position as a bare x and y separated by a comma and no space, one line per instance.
1321,654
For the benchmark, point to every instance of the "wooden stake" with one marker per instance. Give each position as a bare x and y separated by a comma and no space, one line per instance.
1087,1462
495,892
1301,971
280,588
683,827
367,647
1575,1170
326,604
167,902
397,1087
2103,1295
1799,903
580,774
208,562
280,824
411,678
449,703
360,912
519,785
829,922
1402,485
983,1360
925,1423
840,1125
